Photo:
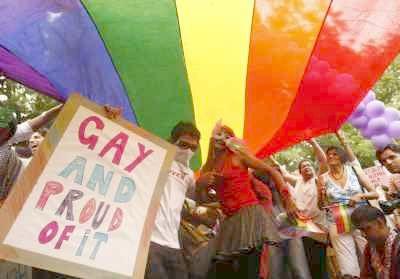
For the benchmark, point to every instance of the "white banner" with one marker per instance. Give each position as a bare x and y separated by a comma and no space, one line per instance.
90,204
378,175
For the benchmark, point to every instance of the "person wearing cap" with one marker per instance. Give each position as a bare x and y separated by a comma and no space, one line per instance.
11,133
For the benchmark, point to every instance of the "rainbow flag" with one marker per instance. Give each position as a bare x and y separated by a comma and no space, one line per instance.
266,67
300,227
341,216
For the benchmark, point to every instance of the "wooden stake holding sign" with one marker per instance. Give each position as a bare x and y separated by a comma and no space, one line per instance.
86,204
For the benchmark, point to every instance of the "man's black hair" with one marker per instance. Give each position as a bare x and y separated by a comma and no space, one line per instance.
366,213
341,153
302,161
394,147
184,128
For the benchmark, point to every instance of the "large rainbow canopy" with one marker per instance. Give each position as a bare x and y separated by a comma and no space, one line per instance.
277,72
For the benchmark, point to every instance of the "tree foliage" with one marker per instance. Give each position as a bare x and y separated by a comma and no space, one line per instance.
24,101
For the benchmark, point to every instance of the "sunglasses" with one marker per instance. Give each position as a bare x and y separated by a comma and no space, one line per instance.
186,145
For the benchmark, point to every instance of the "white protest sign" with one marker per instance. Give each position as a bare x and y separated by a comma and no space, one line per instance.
378,176
91,207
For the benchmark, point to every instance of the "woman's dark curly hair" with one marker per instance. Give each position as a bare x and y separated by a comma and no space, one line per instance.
341,153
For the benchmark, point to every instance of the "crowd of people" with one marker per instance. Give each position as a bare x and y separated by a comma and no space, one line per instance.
224,221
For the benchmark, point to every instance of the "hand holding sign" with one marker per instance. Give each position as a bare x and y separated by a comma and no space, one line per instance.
113,112
91,192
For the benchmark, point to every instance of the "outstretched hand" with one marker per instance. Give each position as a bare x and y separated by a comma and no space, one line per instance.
311,141
340,136
216,129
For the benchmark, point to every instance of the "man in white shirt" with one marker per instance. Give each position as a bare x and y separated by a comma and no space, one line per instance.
10,134
166,259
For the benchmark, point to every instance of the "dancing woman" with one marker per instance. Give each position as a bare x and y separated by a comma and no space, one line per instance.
247,226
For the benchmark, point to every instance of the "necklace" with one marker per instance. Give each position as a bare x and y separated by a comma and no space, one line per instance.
340,175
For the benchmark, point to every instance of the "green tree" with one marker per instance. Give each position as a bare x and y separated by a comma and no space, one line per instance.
388,87
24,101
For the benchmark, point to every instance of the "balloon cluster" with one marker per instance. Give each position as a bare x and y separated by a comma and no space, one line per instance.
322,79
376,122
325,81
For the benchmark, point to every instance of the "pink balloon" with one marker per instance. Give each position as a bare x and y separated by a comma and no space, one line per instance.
374,109
321,67
330,76
312,78
345,78
345,84
394,129
313,60
381,141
